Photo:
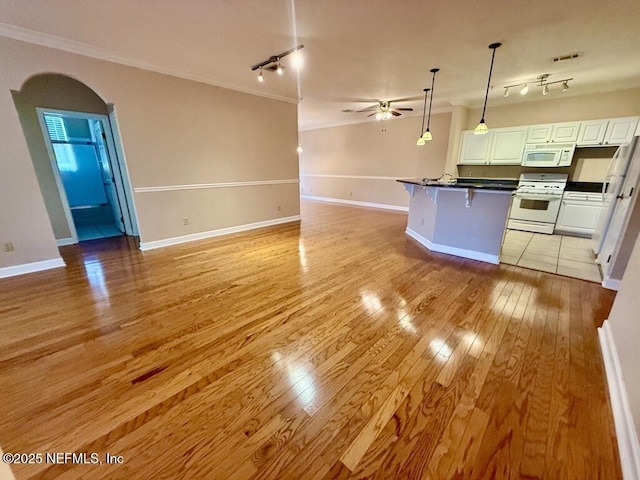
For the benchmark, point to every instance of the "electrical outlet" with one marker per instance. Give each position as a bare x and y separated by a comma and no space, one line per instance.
185,221
7,247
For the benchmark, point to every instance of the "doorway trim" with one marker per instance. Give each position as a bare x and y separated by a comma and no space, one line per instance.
118,168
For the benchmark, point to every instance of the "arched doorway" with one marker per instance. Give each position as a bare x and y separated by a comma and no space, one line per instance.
78,161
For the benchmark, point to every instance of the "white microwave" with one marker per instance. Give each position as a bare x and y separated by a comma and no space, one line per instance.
548,155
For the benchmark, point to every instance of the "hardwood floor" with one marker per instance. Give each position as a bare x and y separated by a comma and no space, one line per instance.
338,348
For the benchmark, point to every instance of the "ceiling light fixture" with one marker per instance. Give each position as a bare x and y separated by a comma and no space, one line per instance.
542,82
299,149
506,92
273,63
420,142
482,128
426,136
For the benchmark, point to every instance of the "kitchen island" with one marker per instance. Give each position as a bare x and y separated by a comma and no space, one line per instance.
466,217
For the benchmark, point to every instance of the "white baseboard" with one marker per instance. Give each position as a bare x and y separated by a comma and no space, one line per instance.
628,446
215,233
355,202
63,242
458,252
31,267
611,283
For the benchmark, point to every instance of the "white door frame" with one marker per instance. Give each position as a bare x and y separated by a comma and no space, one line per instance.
118,168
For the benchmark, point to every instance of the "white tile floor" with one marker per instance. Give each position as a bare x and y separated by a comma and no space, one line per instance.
561,254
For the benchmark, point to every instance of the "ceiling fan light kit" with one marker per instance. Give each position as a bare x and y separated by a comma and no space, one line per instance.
482,128
274,64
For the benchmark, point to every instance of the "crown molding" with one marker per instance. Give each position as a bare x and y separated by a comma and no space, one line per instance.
78,48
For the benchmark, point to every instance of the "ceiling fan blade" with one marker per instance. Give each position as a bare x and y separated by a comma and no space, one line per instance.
368,109
404,109
406,99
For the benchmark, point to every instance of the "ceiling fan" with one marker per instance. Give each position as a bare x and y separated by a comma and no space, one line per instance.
382,111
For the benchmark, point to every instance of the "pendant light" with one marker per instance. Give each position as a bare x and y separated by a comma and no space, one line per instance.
482,128
421,140
426,136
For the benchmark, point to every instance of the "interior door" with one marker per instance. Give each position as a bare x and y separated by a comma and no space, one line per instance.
107,174
621,214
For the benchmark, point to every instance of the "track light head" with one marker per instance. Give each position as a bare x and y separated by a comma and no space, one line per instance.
524,89
545,90
506,92
260,76
565,85
279,69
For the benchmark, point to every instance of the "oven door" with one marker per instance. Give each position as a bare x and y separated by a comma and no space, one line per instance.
535,208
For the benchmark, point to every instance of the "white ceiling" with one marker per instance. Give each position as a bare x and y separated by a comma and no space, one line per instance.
356,51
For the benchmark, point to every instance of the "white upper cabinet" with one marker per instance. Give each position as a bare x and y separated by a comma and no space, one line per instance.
592,132
554,133
540,133
620,130
565,132
501,146
475,148
615,131
507,146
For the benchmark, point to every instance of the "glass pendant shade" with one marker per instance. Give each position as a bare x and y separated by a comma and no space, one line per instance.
420,142
426,136
481,129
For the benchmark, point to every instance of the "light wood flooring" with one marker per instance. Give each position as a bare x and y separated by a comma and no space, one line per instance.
332,349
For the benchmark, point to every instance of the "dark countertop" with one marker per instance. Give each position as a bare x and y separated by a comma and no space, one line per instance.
588,187
478,183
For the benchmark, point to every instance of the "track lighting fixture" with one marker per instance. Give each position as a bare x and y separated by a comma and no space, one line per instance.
421,141
299,149
274,62
542,82
482,128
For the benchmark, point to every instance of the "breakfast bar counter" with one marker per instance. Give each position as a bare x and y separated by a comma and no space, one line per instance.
466,218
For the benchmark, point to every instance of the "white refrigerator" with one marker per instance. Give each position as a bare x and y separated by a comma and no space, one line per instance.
620,192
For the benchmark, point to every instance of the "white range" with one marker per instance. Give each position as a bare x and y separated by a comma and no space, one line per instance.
536,202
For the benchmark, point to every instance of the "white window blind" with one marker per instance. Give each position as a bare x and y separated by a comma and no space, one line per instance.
55,127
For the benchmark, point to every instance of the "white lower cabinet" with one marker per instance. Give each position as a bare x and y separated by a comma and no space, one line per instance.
578,213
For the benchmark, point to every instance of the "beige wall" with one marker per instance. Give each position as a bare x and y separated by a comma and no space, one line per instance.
174,132
344,156
625,328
